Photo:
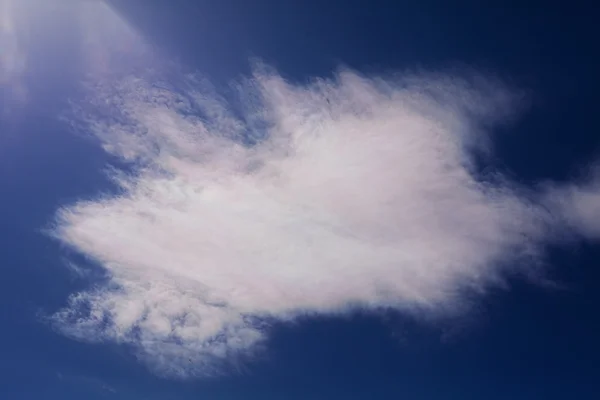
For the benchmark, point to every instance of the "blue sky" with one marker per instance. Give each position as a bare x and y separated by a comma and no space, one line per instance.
298,200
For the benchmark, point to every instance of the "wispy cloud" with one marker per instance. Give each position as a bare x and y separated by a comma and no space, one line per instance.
358,192
578,203
12,54
34,31
110,45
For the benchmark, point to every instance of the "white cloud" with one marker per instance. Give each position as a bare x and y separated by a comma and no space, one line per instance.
361,192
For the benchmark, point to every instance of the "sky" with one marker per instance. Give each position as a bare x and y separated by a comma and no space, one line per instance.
298,200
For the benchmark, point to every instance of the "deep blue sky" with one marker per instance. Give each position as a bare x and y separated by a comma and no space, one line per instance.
521,342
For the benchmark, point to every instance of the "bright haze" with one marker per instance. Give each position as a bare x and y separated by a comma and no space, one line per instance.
228,203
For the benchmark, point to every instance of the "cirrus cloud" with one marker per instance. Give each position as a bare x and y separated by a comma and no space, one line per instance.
299,198
12,54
